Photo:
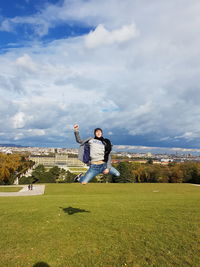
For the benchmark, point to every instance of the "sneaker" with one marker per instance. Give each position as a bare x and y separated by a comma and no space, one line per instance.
77,177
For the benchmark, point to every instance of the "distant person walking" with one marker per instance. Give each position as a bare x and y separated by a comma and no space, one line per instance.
100,159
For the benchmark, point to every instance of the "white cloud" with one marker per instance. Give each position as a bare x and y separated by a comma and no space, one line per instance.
22,134
37,22
101,35
6,26
26,62
145,149
36,132
188,135
145,85
18,136
88,13
19,120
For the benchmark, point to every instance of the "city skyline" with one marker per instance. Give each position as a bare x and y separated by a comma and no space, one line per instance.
128,67
5,148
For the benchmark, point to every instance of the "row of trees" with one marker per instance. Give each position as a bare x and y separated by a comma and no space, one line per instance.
187,172
53,175
12,166
129,173
15,165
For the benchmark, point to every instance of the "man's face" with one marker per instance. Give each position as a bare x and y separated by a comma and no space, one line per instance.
98,133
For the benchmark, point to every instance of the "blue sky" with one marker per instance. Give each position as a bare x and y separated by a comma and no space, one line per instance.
24,32
130,67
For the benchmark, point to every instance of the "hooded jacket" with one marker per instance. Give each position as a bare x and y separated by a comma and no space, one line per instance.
100,148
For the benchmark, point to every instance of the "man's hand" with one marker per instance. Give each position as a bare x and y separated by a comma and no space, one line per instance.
106,171
76,127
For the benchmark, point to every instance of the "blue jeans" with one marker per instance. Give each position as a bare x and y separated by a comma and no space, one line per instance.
114,172
95,170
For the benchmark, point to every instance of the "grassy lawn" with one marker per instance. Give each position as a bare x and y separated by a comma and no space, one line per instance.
103,225
9,189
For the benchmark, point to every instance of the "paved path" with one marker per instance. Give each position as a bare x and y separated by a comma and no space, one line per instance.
37,190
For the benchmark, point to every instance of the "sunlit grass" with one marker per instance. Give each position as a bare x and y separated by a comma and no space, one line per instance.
75,169
9,189
103,225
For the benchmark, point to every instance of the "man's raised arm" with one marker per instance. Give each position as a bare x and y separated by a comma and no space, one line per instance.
77,135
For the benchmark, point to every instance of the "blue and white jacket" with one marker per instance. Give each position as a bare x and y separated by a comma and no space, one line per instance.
98,149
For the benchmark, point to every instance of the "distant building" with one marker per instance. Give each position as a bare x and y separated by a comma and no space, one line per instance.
166,160
7,151
57,160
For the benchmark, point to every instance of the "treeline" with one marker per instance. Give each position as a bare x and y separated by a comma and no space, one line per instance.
129,173
187,172
53,175
13,166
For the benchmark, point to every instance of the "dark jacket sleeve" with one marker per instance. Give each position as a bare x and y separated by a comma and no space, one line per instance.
108,148
109,164
78,138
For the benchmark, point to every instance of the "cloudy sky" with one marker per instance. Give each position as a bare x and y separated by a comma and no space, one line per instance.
131,67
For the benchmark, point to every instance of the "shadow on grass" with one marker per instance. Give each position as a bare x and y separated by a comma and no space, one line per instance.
41,264
71,210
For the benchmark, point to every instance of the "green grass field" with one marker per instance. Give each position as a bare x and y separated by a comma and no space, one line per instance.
103,225
9,189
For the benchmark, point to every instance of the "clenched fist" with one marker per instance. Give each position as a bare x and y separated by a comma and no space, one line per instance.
76,127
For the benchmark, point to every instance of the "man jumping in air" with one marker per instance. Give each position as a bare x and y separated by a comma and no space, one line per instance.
100,160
